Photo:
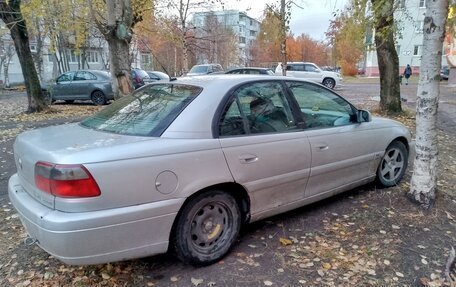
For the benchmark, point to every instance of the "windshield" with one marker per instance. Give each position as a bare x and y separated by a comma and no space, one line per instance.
145,113
199,69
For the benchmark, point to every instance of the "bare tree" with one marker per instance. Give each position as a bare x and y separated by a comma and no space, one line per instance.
388,60
424,178
116,24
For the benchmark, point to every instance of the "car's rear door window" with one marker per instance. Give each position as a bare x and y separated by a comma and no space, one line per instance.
145,113
257,108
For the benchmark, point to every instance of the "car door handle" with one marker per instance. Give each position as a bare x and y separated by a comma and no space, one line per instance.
322,147
248,158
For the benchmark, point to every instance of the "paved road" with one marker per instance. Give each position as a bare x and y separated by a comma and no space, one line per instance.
356,93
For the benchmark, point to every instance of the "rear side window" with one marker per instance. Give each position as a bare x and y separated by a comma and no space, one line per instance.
257,108
145,113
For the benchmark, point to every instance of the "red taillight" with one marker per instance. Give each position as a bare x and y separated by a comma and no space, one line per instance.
72,180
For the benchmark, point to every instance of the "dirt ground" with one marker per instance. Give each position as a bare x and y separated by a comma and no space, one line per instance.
364,237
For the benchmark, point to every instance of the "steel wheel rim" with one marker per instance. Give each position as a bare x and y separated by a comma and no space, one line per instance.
210,227
392,165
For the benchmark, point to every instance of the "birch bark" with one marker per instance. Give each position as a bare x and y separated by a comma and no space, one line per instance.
424,178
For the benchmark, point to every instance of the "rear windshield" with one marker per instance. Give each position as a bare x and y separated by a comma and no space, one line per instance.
199,69
147,112
142,73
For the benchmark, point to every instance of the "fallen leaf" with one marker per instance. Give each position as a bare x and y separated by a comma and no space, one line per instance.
424,261
196,282
105,276
174,279
399,274
327,266
386,262
268,283
285,241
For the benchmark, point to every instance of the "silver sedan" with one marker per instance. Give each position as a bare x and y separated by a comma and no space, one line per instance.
182,165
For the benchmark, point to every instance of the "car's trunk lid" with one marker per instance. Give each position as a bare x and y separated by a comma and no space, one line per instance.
65,144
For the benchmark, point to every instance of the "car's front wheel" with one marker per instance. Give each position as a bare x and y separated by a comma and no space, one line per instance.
98,98
207,227
330,83
393,164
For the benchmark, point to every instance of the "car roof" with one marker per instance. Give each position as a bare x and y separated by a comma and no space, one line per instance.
194,119
249,68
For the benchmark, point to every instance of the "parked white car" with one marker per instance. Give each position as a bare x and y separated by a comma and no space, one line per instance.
311,72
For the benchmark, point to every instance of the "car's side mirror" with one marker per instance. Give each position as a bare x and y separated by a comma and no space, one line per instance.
364,116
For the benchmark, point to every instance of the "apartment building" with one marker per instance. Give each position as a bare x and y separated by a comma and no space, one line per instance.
246,29
409,17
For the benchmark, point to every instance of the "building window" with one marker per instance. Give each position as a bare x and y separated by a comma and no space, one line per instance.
417,50
73,58
422,3
146,61
401,4
252,33
92,56
419,26
398,49
242,40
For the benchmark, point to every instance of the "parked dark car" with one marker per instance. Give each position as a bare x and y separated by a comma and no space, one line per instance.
251,71
90,85
158,76
205,69
444,73
140,78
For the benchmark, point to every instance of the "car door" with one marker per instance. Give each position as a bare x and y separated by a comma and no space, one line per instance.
83,84
340,156
272,162
63,87
313,72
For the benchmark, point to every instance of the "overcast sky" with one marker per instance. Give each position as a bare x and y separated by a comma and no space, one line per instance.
311,19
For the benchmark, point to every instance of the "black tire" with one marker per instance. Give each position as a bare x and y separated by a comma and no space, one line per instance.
393,164
207,228
328,82
98,98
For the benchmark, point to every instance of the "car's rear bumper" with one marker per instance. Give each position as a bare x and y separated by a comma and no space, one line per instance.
97,236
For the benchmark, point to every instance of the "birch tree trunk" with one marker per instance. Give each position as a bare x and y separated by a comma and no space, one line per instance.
424,178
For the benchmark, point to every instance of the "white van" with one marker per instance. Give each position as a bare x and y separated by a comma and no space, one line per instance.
311,72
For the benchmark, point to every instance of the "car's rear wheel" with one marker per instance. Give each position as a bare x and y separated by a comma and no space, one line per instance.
98,98
393,164
207,227
330,83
